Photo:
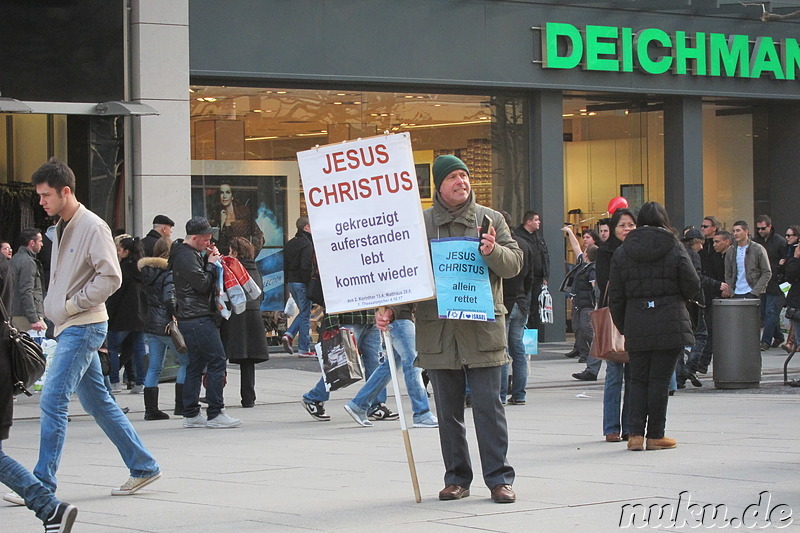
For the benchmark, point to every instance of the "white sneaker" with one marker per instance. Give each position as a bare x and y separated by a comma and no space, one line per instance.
13,497
222,421
137,389
198,421
134,484
116,388
429,422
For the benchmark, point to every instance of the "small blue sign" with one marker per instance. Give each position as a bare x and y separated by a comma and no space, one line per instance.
463,291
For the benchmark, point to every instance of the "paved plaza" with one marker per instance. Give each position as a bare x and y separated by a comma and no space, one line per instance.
284,471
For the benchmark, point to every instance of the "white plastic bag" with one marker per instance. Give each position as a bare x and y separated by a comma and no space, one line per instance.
291,308
545,306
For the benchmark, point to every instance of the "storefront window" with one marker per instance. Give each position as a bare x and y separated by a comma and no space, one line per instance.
256,124
245,143
613,147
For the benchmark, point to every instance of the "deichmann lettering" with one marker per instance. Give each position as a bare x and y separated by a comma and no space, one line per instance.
692,515
654,51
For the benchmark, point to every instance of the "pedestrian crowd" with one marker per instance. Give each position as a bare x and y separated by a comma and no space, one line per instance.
125,304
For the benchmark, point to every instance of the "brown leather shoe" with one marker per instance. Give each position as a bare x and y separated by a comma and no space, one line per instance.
453,492
636,443
664,443
503,494
613,437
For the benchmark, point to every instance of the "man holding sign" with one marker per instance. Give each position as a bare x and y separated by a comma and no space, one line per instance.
472,346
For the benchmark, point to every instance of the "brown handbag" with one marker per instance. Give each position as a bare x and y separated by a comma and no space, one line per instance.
608,342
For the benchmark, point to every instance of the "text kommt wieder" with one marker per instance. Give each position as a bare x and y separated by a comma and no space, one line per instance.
360,188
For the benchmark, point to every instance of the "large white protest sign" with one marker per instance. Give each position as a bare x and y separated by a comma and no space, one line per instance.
366,219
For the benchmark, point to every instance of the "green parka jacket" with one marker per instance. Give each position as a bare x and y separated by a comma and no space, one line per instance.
444,344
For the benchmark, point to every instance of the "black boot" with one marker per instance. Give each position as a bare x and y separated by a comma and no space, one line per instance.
178,399
151,411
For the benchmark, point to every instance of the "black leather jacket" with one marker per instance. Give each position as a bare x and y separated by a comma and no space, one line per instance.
160,290
194,280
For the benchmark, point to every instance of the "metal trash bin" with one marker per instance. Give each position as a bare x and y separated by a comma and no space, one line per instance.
737,349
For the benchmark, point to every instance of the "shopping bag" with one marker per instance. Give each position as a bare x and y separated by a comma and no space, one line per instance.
530,338
339,359
608,342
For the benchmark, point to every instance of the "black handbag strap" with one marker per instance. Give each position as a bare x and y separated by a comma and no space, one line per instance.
6,317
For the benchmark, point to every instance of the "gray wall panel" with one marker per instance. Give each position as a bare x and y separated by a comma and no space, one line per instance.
437,42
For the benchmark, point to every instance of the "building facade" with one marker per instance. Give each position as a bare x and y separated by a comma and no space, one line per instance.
555,106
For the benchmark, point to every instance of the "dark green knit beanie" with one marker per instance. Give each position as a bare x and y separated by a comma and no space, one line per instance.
444,165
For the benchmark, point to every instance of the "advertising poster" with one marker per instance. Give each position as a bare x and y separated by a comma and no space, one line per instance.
252,207
365,213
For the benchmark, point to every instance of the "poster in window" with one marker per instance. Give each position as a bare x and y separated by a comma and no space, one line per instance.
252,207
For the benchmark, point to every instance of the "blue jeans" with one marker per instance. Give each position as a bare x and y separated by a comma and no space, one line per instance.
700,339
613,396
16,477
76,368
515,329
368,338
205,352
158,345
114,345
403,338
771,308
302,322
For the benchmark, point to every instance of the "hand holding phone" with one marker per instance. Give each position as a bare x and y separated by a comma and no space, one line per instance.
486,228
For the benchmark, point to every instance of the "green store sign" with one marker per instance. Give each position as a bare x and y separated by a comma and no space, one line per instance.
654,51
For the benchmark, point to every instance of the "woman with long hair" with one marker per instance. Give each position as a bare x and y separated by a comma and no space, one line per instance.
160,291
126,314
243,335
652,277
616,425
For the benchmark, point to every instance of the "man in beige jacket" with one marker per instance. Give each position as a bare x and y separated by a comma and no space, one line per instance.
84,273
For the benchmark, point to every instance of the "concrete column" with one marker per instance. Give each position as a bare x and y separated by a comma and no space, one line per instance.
161,144
683,160
547,196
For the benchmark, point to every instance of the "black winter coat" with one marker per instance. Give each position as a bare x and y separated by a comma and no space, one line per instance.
244,335
195,282
517,289
603,267
775,245
651,279
127,308
160,291
6,390
298,255
792,273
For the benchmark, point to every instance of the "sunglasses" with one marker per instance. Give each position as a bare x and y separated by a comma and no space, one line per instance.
761,228
790,235
705,226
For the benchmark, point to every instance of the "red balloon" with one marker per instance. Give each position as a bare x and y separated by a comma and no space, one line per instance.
618,202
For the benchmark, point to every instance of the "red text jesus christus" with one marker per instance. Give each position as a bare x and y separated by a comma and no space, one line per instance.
360,188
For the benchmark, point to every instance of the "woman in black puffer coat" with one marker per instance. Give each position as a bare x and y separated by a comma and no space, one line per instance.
651,279
243,335
160,291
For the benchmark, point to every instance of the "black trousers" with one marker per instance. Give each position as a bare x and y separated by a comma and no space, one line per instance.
449,388
248,382
651,372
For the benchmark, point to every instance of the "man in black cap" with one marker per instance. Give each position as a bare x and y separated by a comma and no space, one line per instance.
162,227
195,276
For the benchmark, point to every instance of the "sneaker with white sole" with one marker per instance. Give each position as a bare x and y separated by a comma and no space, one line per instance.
62,519
359,415
316,410
223,421
286,340
134,484
198,421
307,355
383,413
137,389
429,421
13,497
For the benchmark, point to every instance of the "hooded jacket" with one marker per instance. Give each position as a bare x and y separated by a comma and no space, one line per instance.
195,282
651,279
160,291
